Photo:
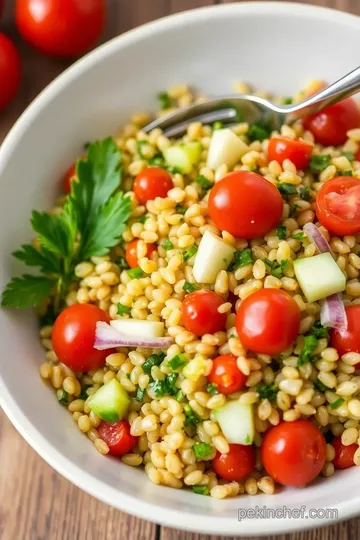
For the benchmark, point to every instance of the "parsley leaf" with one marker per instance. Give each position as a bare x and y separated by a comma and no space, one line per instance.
281,232
157,161
56,232
189,253
204,182
320,386
212,389
288,100
140,394
286,189
164,100
166,386
167,244
62,396
177,361
299,236
42,258
180,209
306,354
217,125
319,331
153,360
319,163
345,173
267,391
135,273
293,209
191,417
190,287
27,291
241,258
304,193
276,269
258,132
123,310
202,450
201,490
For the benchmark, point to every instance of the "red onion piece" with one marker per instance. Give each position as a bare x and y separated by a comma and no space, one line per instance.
332,313
106,337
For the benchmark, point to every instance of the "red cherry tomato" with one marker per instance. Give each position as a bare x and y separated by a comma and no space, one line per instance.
293,453
69,177
151,183
245,205
131,253
338,205
200,313
344,455
357,156
268,321
1,8
226,375
73,337
10,71
348,341
331,125
118,437
237,464
298,152
63,28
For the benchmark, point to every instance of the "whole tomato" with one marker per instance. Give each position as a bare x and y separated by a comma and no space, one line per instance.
10,71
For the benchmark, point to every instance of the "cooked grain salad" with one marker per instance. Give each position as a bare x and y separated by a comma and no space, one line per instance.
199,299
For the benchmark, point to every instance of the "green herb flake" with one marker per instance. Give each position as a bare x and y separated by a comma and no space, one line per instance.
167,244
159,388
202,450
153,360
123,310
320,386
286,189
335,404
304,193
190,287
267,391
345,173
247,439
84,395
121,262
142,219
201,490
157,161
189,253
276,269
139,145
293,208
179,396
177,362
204,182
166,386
299,236
319,331
164,100
319,163
288,100
241,258
281,232
349,155
140,394
191,417
135,273
180,209
212,389
217,125
62,396
306,354
258,132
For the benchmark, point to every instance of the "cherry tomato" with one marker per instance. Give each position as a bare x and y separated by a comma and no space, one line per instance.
69,177
245,205
200,313
73,337
338,205
1,8
298,152
293,453
152,182
10,71
357,156
344,455
63,28
349,340
118,437
331,125
237,464
268,321
226,375
131,253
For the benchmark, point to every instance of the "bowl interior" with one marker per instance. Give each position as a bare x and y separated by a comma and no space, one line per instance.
276,47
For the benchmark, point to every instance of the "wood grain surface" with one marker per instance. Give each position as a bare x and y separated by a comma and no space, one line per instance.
35,502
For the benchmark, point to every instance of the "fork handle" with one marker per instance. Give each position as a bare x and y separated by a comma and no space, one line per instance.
341,89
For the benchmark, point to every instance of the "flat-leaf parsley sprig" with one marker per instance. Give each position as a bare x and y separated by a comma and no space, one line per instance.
92,220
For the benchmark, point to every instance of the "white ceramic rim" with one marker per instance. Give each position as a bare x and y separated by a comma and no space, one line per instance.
64,466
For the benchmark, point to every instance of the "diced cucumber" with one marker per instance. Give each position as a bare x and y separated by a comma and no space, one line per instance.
183,156
237,422
319,276
225,148
110,402
213,255
138,328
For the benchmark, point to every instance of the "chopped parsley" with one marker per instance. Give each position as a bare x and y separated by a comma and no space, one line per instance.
84,394
345,173
201,490
212,389
180,209
335,404
135,273
319,331
157,161
123,310
320,386
190,287
166,386
276,269
167,244
299,236
306,354
189,253
286,188
304,193
241,258
121,262
293,208
164,100
258,132
177,362
288,100
142,219
139,145
204,182
281,232
267,391
153,360
319,163
140,394
202,450
179,396
191,416
217,125
63,397
349,155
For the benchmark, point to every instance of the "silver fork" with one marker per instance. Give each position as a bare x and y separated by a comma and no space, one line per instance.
231,109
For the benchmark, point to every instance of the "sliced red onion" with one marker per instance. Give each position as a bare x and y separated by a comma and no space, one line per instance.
332,313
317,238
106,337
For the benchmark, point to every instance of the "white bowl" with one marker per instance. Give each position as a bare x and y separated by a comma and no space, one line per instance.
277,47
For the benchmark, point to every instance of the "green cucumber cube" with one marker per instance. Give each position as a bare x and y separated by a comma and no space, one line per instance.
183,156
319,276
237,422
110,402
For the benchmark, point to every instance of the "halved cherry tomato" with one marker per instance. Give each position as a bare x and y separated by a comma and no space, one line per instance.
131,253
293,453
357,156
245,204
349,340
268,321
64,28
152,182
226,375
237,464
344,455
200,313
10,71
73,337
69,177
118,437
338,205
298,152
331,125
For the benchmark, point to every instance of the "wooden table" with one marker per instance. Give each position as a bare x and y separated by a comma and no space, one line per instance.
35,502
